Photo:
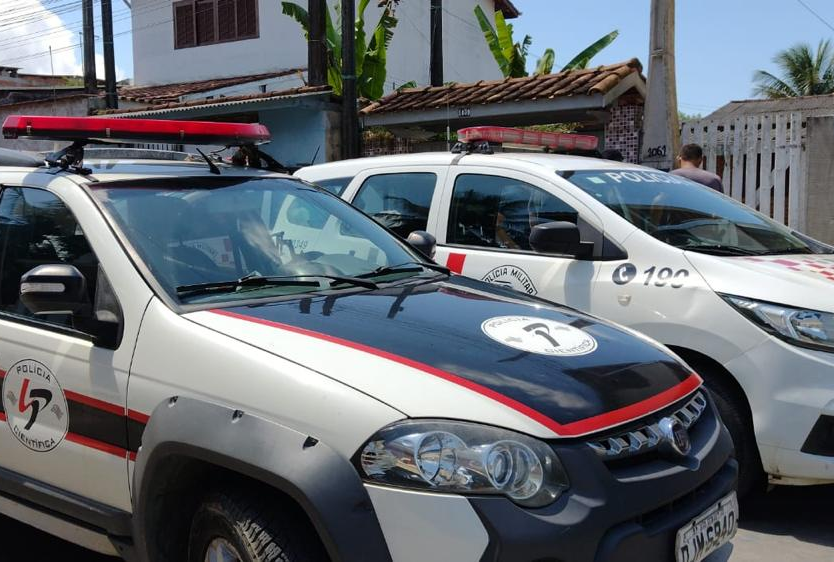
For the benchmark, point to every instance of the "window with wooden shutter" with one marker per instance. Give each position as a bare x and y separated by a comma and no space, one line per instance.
204,17
226,28
247,18
203,22
183,25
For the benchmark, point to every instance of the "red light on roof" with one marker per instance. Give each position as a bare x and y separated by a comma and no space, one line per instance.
96,129
507,135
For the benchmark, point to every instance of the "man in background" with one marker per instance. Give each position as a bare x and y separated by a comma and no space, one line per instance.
691,158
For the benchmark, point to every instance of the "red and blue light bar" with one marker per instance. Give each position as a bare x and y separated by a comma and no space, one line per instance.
508,135
95,129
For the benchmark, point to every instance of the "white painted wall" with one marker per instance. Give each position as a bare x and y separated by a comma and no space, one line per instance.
281,45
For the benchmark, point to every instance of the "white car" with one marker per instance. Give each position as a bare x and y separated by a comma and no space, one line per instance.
183,379
748,303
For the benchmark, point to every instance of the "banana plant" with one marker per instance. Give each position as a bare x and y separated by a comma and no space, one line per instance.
371,56
512,57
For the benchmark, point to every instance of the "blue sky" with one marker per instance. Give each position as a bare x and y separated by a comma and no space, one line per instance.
719,42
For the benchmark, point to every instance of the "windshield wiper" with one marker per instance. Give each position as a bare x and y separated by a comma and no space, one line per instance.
719,249
786,251
269,281
403,268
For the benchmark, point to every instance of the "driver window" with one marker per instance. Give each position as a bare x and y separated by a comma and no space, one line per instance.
399,201
36,228
499,212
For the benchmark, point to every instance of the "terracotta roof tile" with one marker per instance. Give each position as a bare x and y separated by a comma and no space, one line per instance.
219,101
168,93
584,82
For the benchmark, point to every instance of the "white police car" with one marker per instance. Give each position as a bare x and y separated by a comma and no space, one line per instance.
745,301
183,379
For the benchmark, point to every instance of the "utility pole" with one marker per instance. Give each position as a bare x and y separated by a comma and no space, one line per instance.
90,82
111,100
350,117
661,128
316,47
436,35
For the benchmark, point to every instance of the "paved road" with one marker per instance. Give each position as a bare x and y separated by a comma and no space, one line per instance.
787,525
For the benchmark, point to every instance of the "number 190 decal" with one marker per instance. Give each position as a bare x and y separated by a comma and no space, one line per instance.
653,276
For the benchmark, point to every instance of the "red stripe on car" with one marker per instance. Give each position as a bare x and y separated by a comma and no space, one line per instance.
95,403
96,444
573,429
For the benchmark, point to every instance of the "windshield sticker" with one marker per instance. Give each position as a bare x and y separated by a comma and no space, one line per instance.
511,277
218,248
595,179
652,277
35,406
539,335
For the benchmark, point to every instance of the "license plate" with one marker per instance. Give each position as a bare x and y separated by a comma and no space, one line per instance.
706,533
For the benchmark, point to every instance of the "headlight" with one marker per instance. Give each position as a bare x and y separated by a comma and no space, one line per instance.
806,328
457,457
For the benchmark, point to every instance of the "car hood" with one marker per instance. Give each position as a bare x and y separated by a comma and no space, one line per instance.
462,349
804,281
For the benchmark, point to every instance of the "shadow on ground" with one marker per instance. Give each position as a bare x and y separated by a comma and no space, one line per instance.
788,524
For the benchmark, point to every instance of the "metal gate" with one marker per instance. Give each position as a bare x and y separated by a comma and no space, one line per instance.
761,160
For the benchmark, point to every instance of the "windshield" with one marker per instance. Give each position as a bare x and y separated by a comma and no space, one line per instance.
688,215
205,232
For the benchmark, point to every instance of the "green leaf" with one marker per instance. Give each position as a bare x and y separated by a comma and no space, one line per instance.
505,36
299,14
407,85
492,41
373,73
545,64
582,59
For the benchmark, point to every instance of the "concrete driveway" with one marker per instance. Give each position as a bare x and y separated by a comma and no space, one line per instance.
786,525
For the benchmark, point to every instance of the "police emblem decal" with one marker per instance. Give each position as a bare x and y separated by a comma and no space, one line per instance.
539,335
35,405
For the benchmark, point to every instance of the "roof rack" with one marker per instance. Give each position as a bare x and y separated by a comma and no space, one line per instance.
481,139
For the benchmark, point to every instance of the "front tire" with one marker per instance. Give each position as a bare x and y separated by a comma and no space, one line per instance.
245,526
735,413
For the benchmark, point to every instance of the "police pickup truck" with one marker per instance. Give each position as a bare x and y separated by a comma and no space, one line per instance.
744,300
183,380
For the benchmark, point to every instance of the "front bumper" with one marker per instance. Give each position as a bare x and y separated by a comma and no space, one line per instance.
612,512
789,388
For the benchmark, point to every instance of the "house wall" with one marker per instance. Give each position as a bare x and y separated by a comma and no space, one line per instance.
75,106
819,198
622,132
297,134
281,45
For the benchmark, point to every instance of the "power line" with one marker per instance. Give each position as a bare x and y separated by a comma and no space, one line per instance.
816,15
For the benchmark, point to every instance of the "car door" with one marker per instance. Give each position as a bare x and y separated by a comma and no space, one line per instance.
484,229
63,394
404,199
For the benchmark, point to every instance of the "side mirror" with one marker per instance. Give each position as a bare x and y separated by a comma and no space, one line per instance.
556,238
423,242
53,289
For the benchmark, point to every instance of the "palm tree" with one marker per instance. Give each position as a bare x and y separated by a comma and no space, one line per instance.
371,56
804,73
512,57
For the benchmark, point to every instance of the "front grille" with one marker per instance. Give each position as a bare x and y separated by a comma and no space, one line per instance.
646,438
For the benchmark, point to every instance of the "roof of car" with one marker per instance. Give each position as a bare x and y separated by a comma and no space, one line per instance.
555,162
108,164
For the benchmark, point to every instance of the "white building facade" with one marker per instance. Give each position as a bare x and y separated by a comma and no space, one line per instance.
188,40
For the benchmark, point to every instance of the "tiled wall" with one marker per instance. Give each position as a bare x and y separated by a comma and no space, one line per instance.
623,130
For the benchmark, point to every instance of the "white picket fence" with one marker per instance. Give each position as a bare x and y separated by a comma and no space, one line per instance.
761,160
